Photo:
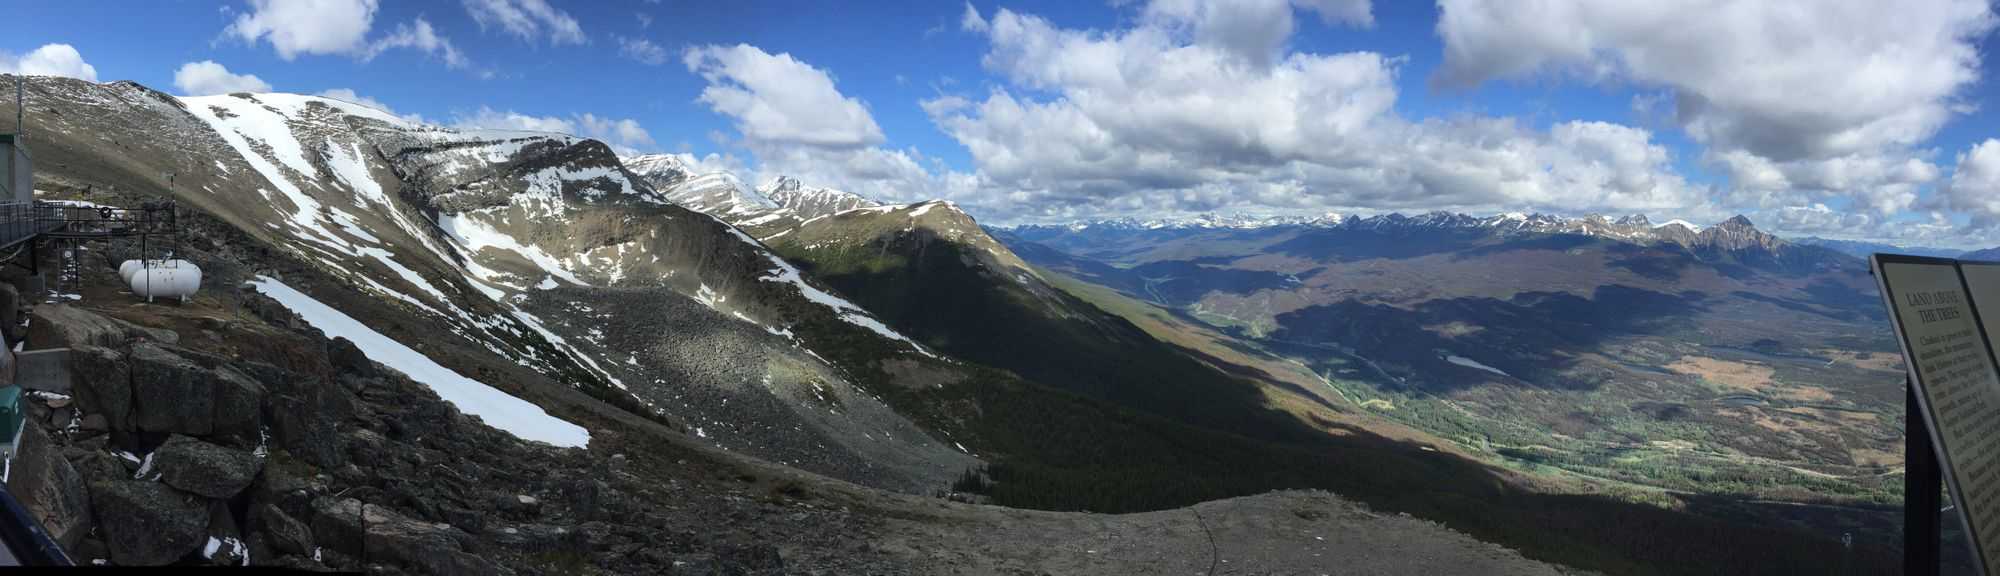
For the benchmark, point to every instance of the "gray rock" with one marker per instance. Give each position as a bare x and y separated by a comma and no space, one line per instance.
206,469
287,534
380,534
348,359
65,326
170,393
10,312
49,487
98,465
697,564
103,384
305,433
135,333
535,538
238,403
148,523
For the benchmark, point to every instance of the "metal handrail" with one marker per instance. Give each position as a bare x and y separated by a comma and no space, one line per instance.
25,538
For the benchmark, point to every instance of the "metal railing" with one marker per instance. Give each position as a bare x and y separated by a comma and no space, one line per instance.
23,220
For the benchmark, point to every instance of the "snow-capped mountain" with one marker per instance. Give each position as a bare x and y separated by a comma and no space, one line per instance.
808,202
1736,233
1209,221
511,248
707,192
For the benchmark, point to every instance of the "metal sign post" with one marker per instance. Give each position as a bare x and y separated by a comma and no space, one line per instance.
1921,482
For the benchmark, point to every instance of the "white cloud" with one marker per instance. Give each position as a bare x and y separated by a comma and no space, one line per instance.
623,134
208,77
642,50
335,27
1975,185
1876,73
489,118
528,19
776,99
295,27
972,21
1199,107
1252,29
792,117
349,95
49,60
645,20
1799,101
421,36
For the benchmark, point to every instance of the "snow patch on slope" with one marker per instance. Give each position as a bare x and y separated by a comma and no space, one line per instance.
499,410
847,311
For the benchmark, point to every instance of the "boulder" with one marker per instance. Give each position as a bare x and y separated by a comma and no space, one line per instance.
287,534
377,533
65,326
49,487
304,432
148,523
206,469
10,312
239,402
348,359
170,393
103,384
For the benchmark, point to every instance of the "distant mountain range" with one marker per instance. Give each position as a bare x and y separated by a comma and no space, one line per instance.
1860,249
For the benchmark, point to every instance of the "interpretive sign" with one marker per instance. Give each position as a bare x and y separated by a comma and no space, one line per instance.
1936,307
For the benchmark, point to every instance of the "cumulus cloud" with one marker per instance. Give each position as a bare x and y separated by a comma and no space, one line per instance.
208,77
793,119
1202,107
971,21
642,50
1253,29
295,27
623,134
422,37
1796,101
49,60
489,118
528,19
1975,185
335,27
775,99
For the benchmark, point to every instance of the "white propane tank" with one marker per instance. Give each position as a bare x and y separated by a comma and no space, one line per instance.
168,278
130,267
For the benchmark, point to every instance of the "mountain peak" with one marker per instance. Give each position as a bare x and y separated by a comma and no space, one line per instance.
809,202
1738,221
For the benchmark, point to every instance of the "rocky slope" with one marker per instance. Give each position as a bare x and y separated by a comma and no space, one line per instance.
516,245
306,454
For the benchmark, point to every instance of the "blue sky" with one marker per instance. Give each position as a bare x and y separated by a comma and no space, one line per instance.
1870,170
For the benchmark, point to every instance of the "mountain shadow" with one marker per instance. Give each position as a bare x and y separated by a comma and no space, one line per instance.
1530,337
